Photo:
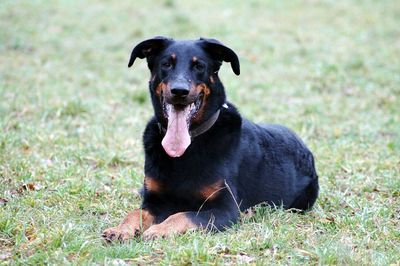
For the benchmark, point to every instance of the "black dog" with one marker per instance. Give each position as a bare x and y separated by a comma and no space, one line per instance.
204,162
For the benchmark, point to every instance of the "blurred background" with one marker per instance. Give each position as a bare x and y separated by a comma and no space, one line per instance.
72,113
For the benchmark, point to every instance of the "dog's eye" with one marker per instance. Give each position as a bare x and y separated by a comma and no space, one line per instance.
199,67
166,65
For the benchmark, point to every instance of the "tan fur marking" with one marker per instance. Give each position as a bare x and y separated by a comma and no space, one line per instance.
134,223
194,59
161,87
152,185
210,192
139,218
173,56
177,223
202,88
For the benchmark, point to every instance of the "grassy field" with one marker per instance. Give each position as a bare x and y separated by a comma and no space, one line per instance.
72,116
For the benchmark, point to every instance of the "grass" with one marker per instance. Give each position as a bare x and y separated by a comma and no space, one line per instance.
72,116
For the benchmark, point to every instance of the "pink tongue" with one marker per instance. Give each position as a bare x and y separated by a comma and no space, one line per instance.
177,138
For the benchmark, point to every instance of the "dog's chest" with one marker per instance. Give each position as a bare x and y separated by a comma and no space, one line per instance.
185,190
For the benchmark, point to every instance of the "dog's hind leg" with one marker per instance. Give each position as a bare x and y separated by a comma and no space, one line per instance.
307,197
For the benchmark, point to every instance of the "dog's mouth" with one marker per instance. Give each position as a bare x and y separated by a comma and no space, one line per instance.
180,116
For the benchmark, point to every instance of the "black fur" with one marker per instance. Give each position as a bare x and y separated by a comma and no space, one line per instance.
254,163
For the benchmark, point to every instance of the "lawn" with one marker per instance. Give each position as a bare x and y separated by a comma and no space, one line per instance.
72,116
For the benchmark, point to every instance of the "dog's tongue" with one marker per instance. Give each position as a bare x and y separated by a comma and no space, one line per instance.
177,138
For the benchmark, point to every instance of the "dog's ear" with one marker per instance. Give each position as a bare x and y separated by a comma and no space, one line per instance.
221,53
149,48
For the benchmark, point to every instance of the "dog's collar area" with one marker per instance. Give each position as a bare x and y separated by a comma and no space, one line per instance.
202,127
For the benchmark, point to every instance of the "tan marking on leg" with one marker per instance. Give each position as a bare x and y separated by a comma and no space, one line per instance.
177,223
152,185
134,223
210,192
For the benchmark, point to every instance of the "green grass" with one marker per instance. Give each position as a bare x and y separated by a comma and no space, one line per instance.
72,116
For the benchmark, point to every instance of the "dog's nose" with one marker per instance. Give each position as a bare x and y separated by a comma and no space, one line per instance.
180,91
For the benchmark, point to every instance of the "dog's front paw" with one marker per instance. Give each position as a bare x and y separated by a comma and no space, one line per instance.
120,233
177,223
157,231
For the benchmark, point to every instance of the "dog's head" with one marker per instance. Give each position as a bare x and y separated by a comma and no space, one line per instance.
184,84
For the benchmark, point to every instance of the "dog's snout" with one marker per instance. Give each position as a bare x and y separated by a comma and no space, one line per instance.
180,91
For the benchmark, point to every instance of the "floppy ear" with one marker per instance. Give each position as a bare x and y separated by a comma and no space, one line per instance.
148,48
221,53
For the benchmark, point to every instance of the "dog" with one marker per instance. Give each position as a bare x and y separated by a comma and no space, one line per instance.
204,163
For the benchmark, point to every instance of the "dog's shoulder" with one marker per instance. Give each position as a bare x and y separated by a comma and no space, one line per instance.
229,121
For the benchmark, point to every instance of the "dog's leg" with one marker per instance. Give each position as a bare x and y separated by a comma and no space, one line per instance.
134,223
181,222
